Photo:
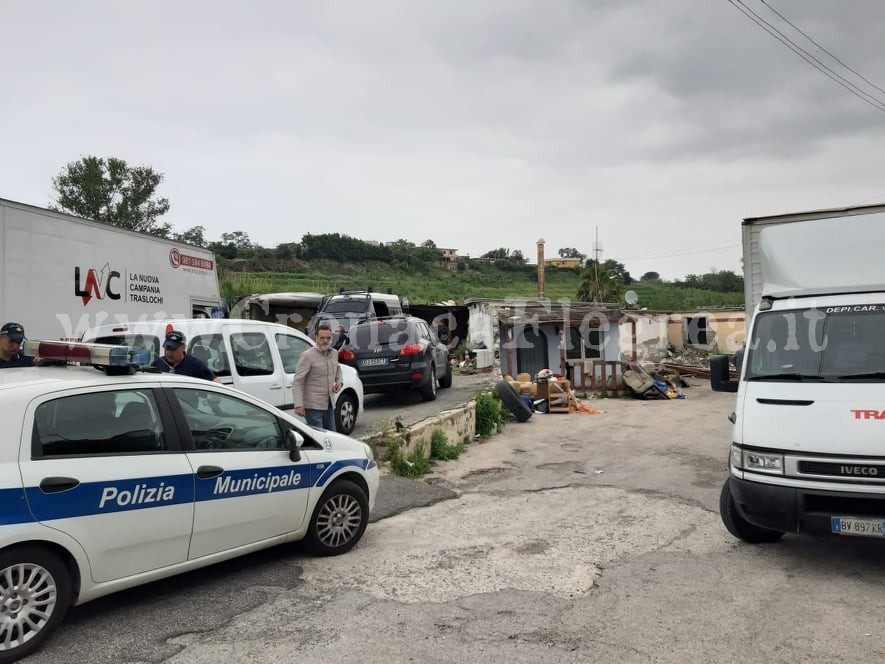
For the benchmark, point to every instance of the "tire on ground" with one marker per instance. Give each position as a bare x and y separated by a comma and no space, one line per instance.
511,399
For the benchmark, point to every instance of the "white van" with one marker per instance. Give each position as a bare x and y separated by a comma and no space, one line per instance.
256,357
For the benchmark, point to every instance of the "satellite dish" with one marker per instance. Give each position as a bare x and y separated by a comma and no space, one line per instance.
631,297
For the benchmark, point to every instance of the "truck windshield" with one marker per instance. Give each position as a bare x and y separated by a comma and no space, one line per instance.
845,343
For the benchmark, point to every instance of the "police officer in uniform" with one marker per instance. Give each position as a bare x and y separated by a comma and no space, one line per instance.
11,337
176,361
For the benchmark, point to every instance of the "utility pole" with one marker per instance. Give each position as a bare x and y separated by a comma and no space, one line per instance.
597,249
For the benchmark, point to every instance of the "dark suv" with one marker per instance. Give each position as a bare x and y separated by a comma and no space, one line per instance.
397,353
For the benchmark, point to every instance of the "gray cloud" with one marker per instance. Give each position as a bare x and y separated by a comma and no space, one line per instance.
662,123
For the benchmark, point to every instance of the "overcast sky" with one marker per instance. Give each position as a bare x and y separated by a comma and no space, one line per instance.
475,124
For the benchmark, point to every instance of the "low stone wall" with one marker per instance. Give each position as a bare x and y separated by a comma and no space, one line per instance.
457,424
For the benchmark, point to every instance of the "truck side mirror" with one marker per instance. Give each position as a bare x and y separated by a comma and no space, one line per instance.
719,375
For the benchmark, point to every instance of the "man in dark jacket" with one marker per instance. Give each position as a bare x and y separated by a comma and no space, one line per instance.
12,335
176,361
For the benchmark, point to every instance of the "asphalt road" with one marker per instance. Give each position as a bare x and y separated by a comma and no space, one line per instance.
567,539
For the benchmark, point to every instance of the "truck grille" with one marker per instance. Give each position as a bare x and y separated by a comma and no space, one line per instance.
865,471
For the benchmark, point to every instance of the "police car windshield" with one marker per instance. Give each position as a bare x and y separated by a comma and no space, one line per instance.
830,343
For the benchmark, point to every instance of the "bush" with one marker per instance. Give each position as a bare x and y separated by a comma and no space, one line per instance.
441,449
489,417
415,465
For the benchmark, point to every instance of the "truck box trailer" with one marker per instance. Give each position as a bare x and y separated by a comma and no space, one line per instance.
806,452
62,275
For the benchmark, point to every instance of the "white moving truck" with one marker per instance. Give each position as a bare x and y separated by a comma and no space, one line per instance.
808,444
61,275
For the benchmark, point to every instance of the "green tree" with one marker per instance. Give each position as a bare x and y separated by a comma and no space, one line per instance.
111,192
615,268
650,276
571,252
599,284
237,238
497,254
429,244
195,235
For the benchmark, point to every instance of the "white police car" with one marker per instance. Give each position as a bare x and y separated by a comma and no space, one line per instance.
111,481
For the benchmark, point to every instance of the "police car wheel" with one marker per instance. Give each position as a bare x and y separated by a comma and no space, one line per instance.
35,592
339,519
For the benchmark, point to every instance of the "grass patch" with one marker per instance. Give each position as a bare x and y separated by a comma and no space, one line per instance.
441,449
413,465
489,415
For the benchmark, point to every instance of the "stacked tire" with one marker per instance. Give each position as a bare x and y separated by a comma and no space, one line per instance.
511,399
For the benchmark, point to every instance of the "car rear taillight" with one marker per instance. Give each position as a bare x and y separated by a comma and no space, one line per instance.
346,355
412,349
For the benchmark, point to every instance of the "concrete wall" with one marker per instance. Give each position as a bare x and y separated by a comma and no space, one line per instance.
651,336
728,329
456,423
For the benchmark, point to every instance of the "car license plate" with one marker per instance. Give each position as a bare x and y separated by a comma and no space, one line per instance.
848,525
373,362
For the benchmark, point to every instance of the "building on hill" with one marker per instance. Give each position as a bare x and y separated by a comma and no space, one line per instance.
564,263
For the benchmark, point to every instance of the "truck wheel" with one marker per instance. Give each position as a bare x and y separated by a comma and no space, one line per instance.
738,525
428,392
510,398
345,413
339,519
35,592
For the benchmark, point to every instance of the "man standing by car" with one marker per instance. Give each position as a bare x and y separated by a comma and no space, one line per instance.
12,335
176,361
317,379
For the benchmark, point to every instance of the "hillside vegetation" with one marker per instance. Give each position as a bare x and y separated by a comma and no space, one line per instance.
428,281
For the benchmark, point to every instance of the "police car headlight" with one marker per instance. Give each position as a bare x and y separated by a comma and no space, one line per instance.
370,453
761,462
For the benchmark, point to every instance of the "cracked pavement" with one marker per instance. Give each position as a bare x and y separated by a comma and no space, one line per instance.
570,538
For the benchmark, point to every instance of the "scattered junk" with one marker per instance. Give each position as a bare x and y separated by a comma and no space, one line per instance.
656,384
547,393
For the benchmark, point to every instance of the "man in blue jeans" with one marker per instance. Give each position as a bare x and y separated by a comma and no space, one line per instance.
317,379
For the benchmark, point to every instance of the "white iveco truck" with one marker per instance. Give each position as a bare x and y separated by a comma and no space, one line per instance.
808,444
62,275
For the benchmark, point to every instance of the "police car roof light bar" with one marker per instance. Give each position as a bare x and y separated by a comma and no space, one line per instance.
113,359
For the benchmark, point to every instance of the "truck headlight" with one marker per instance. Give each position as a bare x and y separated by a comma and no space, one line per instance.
759,462
737,459
764,463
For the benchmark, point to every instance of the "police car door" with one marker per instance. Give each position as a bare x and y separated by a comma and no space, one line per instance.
253,367
247,487
106,468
